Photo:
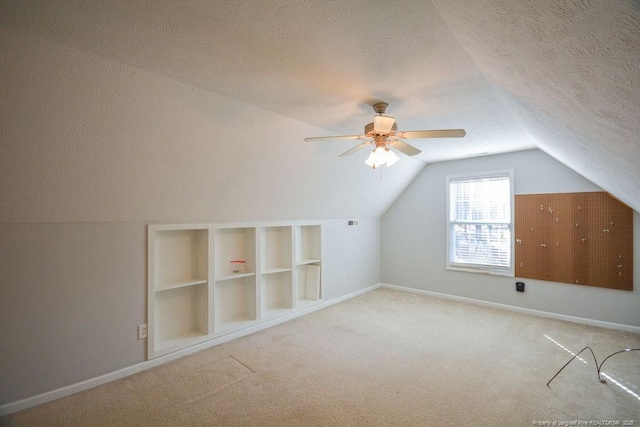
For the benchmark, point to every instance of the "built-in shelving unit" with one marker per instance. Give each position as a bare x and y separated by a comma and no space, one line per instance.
208,280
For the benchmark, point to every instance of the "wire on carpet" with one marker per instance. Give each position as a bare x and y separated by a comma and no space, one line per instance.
598,367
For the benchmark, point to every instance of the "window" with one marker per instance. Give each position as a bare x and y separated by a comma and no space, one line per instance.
480,222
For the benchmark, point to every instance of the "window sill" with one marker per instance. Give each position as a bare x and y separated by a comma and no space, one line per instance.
492,272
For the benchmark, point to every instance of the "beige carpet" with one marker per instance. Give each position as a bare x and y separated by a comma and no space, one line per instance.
385,358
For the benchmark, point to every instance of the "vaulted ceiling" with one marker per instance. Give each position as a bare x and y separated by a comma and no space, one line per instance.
563,76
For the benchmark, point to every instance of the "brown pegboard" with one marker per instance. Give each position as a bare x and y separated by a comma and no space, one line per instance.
579,238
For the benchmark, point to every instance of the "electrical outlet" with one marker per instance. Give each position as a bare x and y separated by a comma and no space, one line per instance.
142,331
344,278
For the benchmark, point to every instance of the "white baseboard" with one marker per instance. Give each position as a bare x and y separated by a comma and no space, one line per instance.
52,395
581,320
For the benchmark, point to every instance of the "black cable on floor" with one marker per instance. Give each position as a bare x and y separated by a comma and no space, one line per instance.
598,367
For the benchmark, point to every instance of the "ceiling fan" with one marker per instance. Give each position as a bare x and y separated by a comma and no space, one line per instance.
383,133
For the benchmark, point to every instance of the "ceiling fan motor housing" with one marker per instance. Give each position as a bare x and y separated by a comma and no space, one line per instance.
380,141
370,132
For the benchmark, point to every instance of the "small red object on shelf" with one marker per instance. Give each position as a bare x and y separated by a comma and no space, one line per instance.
238,266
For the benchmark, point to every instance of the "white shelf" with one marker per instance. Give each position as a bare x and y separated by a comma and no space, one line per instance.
232,276
274,270
308,261
175,285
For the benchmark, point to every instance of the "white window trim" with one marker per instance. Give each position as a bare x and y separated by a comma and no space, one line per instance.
510,271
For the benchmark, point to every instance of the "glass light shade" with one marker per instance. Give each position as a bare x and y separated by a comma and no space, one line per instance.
369,162
391,157
381,156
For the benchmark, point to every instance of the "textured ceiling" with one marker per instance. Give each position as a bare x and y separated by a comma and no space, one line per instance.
563,76
570,71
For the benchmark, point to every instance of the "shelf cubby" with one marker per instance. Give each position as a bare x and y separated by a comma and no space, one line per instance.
308,244
276,248
181,258
181,314
307,283
235,303
276,293
178,287
276,280
234,244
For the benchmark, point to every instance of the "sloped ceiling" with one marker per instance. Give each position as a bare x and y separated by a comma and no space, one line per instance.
562,76
570,71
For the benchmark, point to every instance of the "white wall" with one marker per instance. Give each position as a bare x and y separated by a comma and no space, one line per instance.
414,241
83,139
92,150
72,295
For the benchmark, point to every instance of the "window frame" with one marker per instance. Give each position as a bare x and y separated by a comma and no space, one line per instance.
479,268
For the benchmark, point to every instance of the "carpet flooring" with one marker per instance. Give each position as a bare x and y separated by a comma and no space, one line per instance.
386,358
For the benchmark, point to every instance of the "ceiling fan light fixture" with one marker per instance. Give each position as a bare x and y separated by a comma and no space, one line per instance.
381,156
383,132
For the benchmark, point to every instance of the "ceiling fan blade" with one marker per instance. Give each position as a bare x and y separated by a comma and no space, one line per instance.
443,133
383,124
354,149
407,149
323,138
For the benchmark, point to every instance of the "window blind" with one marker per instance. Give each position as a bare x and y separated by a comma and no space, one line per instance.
480,221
